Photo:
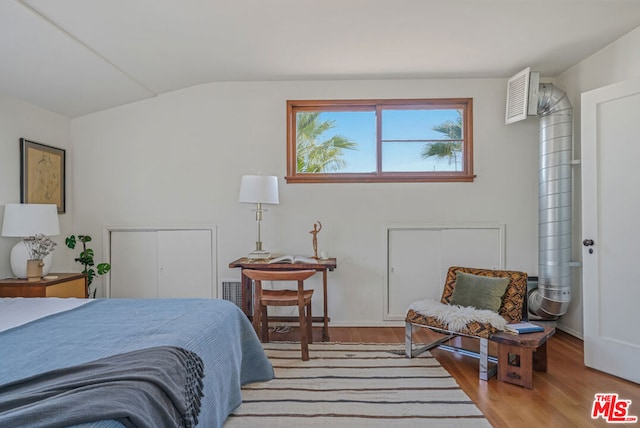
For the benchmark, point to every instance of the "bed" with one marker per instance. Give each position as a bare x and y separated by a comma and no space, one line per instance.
213,331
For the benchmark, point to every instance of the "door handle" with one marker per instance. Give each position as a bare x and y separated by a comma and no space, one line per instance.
588,243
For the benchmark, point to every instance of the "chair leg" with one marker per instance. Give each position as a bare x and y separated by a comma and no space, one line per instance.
484,359
408,339
265,325
409,352
304,340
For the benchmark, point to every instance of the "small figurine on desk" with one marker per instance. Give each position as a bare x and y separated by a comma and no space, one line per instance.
316,229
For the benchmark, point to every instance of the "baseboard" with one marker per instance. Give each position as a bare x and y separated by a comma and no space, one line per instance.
368,324
571,331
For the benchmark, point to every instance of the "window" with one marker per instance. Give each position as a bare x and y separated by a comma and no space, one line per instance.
344,141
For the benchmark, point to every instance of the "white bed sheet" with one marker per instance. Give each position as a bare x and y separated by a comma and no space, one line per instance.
16,311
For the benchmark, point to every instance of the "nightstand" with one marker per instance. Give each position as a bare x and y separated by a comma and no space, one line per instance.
64,285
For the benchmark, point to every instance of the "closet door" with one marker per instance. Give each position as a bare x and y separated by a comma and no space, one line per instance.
413,271
164,263
134,264
185,263
419,257
471,247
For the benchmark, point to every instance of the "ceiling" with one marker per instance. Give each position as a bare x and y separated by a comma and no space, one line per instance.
75,57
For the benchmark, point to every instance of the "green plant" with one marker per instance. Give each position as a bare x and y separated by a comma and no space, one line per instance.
86,259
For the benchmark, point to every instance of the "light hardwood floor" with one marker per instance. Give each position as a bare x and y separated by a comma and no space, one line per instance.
561,397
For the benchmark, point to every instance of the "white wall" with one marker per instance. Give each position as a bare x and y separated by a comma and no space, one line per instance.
19,119
177,160
616,62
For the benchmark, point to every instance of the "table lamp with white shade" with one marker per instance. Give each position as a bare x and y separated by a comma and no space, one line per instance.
27,221
259,189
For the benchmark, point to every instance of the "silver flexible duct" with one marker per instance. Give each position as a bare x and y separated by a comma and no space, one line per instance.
553,295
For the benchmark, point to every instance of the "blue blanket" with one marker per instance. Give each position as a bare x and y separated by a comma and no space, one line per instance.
215,330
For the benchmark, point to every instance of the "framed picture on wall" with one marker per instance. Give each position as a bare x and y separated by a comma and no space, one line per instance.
42,174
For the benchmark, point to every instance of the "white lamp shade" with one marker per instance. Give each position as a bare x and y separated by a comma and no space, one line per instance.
22,220
259,189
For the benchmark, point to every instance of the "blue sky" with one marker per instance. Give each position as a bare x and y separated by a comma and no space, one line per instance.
360,127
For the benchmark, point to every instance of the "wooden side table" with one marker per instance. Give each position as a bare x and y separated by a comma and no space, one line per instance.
60,285
520,354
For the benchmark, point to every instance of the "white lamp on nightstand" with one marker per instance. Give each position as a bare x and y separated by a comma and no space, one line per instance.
259,189
24,221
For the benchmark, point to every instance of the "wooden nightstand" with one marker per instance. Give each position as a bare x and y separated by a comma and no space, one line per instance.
65,285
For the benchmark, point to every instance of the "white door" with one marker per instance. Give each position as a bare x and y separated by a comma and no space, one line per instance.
610,232
414,269
169,263
419,257
185,263
134,264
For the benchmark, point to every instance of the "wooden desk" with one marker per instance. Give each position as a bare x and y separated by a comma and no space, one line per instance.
65,285
247,294
520,354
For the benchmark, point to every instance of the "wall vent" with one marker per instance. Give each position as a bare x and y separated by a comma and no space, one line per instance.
522,96
232,291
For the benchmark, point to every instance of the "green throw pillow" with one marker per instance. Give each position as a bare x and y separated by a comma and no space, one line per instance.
481,292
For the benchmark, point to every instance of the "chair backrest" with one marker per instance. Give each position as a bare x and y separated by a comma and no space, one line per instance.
278,275
513,298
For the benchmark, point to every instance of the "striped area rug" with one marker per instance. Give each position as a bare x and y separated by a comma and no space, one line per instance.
354,385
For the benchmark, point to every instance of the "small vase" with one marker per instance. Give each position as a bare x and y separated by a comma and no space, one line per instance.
34,270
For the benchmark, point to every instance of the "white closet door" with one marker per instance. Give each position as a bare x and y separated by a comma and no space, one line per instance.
165,263
185,263
477,247
420,256
414,263
134,264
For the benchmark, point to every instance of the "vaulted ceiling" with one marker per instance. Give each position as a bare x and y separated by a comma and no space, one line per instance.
75,57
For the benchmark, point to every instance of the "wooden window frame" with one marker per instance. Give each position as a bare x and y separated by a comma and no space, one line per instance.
379,176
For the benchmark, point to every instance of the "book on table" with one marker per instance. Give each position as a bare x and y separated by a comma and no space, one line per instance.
293,259
523,327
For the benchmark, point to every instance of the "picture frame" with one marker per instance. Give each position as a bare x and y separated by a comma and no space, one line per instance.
42,174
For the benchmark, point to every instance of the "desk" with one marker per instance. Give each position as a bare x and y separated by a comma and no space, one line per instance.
247,294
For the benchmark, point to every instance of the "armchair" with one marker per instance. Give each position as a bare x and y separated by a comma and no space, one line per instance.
450,319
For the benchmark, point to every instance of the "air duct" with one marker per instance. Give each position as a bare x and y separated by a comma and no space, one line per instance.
551,298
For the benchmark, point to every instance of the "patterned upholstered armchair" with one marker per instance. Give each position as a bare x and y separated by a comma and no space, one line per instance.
453,320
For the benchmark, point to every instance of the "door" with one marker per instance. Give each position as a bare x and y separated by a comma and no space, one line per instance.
185,263
610,233
134,265
419,256
162,263
413,269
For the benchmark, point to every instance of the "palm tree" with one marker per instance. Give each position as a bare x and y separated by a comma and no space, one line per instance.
314,155
449,149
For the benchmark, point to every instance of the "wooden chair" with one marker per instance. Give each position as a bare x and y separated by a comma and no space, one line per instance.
510,309
298,297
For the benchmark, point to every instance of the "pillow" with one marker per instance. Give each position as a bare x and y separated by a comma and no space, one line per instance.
480,292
